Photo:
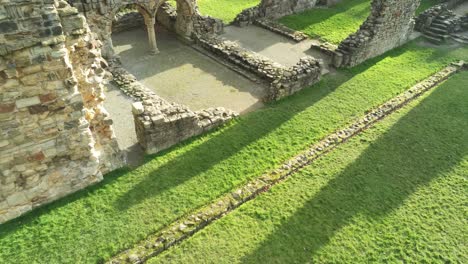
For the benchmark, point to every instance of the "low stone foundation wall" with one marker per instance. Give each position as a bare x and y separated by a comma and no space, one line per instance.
326,48
160,124
281,29
282,81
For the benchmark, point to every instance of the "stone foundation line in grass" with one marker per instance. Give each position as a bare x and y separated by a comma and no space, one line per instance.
186,227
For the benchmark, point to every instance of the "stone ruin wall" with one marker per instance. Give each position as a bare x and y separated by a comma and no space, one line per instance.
281,81
56,137
184,19
389,25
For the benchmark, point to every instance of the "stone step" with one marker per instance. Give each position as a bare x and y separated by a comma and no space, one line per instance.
434,35
432,39
439,25
438,30
460,39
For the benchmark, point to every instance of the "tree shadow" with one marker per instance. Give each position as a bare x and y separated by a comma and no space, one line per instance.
415,151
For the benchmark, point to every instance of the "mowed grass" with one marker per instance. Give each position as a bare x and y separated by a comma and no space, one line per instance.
395,194
332,24
226,10
96,223
426,4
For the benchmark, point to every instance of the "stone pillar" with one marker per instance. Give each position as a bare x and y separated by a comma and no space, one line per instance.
150,23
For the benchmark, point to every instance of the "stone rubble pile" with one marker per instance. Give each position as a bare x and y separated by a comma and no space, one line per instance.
160,124
282,81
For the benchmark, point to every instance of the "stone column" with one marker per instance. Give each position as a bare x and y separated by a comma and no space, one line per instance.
150,23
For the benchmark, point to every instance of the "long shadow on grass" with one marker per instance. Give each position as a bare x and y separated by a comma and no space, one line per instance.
231,141
428,141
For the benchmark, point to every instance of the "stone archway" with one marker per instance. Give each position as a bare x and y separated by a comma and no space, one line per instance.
186,10
100,16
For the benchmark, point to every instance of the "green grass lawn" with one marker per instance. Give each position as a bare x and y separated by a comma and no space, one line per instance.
395,194
226,10
426,4
98,222
330,24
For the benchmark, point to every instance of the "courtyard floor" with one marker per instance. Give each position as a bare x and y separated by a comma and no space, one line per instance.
183,75
271,45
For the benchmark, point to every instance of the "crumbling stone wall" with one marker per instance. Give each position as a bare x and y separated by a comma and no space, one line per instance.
273,9
389,25
55,137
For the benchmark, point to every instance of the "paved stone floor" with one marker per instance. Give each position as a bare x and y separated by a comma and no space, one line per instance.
271,45
120,108
183,75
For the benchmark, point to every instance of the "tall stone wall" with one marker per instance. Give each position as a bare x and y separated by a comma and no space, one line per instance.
55,135
389,25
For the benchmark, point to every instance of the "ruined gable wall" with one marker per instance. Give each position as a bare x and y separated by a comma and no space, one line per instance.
389,25
55,136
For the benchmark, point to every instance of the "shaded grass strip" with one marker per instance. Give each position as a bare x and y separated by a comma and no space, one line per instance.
186,227
395,193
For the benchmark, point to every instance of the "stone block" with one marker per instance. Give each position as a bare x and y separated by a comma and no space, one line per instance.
28,102
7,107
